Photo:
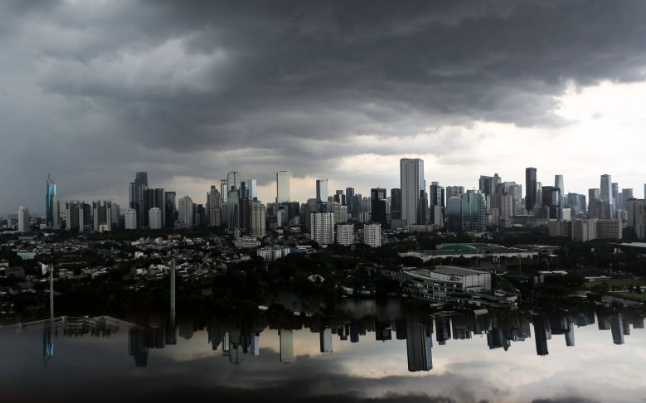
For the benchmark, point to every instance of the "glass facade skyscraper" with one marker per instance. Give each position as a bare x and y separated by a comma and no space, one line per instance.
50,204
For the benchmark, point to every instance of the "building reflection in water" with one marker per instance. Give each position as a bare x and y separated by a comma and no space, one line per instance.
239,337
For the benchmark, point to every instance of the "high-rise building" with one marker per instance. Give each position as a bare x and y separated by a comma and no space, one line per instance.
378,205
530,189
155,218
474,212
322,228
186,212
454,213
437,200
626,194
422,208
233,180
52,213
115,214
395,204
411,183
558,183
233,211
75,213
131,219
224,190
252,188
23,219
141,179
102,213
286,343
282,187
339,197
552,202
637,218
605,193
349,197
258,220
486,185
345,234
170,209
372,235
454,191
321,190
326,340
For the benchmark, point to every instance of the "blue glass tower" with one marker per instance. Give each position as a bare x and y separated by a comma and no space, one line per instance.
50,201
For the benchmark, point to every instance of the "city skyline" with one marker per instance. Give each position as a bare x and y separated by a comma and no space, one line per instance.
204,95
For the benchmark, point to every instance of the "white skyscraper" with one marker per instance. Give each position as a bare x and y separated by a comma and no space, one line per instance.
185,211
155,218
411,183
131,219
372,235
321,190
322,228
23,219
282,186
252,188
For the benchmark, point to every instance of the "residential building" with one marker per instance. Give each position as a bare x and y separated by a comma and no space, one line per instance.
186,212
23,219
155,218
102,213
345,234
131,219
372,235
322,228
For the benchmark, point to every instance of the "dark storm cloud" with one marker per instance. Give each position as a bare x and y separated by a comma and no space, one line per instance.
291,84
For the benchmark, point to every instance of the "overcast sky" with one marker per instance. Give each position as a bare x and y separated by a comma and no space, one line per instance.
93,91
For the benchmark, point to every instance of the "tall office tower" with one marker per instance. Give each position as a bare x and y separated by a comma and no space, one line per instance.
558,183
141,179
142,202
258,220
419,342
365,209
411,175
345,234
102,213
637,218
552,202
474,212
349,197
507,209
372,235
186,212
626,194
322,228
282,187
252,188
115,214
155,218
454,213
593,196
339,197
422,208
321,190
233,180
74,211
437,199
23,219
131,219
516,191
378,205
530,189
170,209
155,198
486,185
539,193
454,191
395,204
496,181
233,210
577,203
605,194
615,196
51,205
246,204
224,190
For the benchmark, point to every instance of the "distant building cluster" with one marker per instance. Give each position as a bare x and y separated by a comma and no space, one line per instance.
345,217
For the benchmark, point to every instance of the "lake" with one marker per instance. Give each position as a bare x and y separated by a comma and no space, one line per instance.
379,352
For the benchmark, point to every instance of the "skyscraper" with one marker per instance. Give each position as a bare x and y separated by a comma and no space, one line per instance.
258,220
155,218
419,344
411,182
322,228
52,215
552,202
131,219
605,191
186,211
558,183
75,212
170,208
395,204
454,213
378,205
372,235
530,189
321,190
282,187
141,179
486,185
437,200
23,219
474,212
102,213
349,200
233,180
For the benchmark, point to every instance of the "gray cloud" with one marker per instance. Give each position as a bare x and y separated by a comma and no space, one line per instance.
95,91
